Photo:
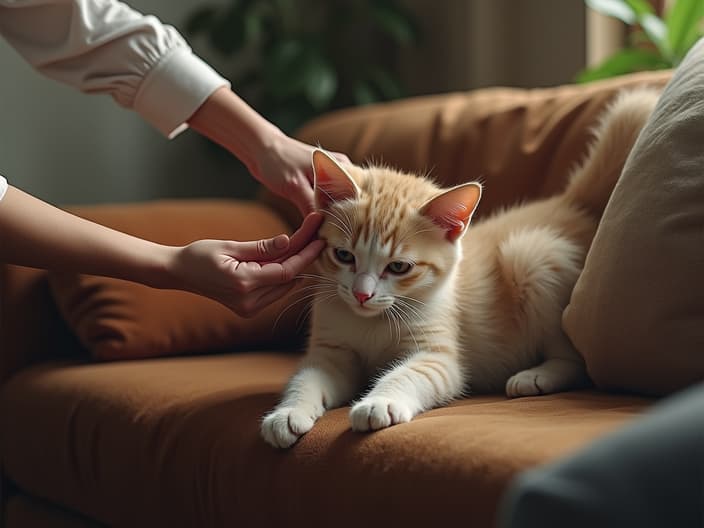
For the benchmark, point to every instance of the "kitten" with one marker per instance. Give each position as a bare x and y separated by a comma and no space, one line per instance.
409,298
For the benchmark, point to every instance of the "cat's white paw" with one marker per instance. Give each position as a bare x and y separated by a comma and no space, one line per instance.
529,383
375,413
283,426
554,375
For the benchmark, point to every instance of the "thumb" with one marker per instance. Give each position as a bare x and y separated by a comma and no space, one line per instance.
262,250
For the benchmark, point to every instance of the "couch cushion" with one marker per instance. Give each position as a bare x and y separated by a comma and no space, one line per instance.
637,311
521,143
116,319
175,442
22,511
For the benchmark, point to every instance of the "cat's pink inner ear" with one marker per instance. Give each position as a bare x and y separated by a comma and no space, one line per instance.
331,181
453,209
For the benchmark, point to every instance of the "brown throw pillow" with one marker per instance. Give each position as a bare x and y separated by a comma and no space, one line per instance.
116,319
637,311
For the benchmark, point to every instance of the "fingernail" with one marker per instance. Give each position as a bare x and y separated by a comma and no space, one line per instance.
281,242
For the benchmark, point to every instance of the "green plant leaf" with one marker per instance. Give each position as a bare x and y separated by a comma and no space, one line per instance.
620,9
252,25
387,84
289,117
394,23
683,22
364,94
636,12
623,62
228,31
656,30
283,68
201,20
640,7
653,26
321,82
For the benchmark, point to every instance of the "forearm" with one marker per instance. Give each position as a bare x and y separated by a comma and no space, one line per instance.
229,121
36,234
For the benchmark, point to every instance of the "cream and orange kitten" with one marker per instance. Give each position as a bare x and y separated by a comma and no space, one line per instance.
418,308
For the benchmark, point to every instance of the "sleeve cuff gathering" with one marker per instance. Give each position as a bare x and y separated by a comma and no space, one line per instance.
174,89
3,187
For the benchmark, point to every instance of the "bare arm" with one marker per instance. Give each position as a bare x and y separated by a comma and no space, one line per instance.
278,161
38,235
244,276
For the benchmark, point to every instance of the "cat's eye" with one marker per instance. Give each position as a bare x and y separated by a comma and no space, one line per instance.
344,256
399,267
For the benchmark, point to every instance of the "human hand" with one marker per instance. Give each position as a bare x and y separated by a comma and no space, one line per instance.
284,165
247,276
281,163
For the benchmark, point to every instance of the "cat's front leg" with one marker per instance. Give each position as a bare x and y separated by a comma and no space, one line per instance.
423,381
328,377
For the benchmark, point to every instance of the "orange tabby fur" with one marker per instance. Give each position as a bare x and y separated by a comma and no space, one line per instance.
429,310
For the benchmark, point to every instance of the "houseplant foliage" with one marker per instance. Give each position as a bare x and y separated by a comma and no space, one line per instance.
654,42
293,59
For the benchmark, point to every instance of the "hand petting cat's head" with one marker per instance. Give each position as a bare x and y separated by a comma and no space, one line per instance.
392,238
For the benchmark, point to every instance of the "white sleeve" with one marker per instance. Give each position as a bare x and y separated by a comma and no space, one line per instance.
3,187
104,46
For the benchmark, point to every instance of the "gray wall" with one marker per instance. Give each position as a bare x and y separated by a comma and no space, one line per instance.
70,148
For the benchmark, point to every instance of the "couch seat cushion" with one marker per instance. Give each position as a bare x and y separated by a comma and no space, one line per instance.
175,442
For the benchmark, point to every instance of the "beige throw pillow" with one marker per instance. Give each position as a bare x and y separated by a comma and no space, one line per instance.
637,311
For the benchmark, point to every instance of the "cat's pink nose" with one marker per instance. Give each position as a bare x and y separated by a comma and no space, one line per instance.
363,297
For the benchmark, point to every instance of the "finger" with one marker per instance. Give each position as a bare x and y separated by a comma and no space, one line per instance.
303,236
306,233
262,250
281,272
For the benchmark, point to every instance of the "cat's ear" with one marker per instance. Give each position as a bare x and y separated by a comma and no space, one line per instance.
331,182
453,209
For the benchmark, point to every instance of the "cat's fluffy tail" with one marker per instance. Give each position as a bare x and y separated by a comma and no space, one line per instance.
591,182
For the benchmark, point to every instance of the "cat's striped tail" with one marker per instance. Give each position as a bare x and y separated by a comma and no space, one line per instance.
592,181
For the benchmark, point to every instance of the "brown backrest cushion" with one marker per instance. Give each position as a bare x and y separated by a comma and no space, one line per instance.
520,143
116,319
637,311
31,328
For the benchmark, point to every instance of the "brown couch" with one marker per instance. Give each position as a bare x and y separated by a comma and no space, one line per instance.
174,441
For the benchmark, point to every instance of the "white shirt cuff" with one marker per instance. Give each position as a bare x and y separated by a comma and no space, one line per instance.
3,187
174,89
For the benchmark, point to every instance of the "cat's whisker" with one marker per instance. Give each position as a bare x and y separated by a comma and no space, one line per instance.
419,317
406,297
341,228
346,221
305,314
313,287
315,276
340,223
394,327
294,303
403,318
415,312
411,235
